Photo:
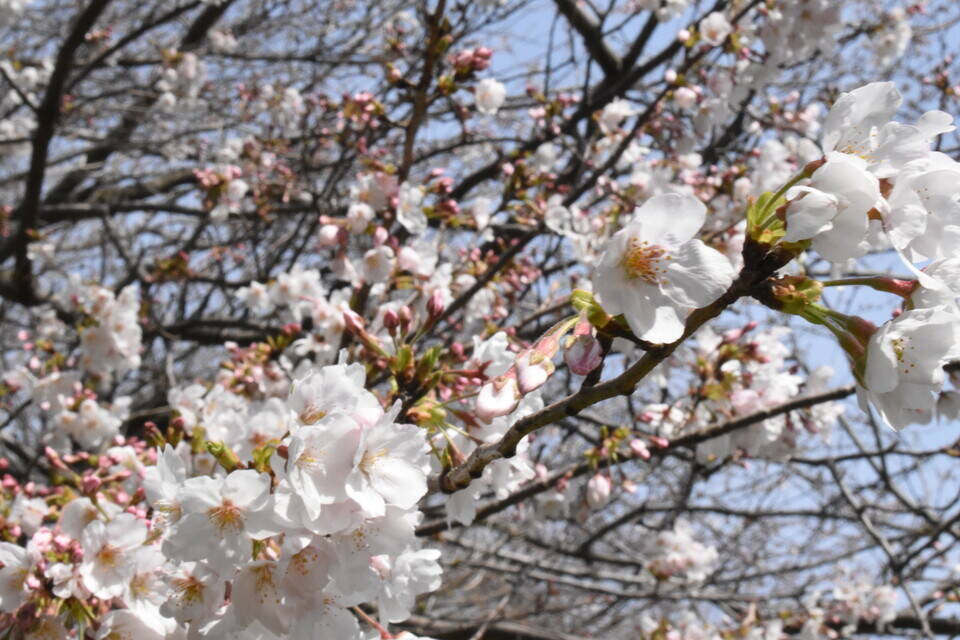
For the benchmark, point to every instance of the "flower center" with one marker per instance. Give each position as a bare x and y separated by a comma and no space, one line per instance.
108,555
140,585
310,459
370,458
645,261
189,589
312,415
226,516
901,346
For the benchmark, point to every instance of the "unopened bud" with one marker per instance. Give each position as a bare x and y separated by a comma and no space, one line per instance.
90,484
352,322
54,459
227,458
498,397
583,355
639,449
533,369
659,441
598,491
391,320
329,235
435,304
406,318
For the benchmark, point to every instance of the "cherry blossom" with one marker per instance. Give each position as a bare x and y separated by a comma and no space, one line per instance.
654,270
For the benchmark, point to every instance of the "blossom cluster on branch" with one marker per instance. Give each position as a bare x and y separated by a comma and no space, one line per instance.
322,320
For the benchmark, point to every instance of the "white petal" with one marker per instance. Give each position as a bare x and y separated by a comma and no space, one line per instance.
697,275
670,218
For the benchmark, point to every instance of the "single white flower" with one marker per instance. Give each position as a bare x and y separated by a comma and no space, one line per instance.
378,264
654,272
389,467
410,210
904,367
833,209
109,554
613,114
221,517
319,459
406,577
490,96
715,28
13,576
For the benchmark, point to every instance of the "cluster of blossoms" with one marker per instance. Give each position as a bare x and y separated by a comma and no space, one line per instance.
224,190
191,541
110,342
875,184
742,372
676,554
282,499
855,598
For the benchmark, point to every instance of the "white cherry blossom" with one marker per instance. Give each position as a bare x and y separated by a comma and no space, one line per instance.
654,271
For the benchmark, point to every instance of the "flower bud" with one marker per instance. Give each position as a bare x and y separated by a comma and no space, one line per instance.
685,97
583,355
498,397
598,491
391,320
533,369
639,449
329,235
90,484
435,304
54,459
659,441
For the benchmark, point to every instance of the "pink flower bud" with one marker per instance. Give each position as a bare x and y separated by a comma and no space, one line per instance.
583,355
639,448
598,491
329,235
352,322
541,470
533,369
90,485
54,459
435,304
391,320
498,397
685,97
660,442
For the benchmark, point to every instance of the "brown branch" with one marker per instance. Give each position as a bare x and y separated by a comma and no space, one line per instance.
48,114
592,36
460,476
